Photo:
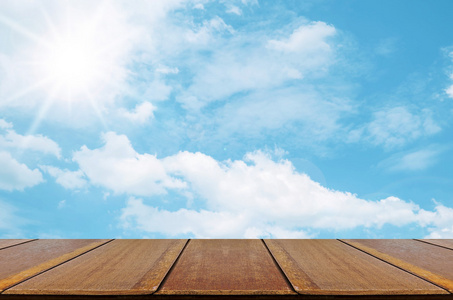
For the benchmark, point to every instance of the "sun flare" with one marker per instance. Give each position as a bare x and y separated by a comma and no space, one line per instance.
73,64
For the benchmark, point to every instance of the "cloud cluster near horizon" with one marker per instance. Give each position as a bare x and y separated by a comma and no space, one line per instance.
250,198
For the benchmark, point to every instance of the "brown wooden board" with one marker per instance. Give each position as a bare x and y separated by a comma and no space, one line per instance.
28,259
431,262
11,242
120,267
330,267
225,267
227,297
443,243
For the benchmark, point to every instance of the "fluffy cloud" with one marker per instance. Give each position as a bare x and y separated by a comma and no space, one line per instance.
12,140
256,196
396,126
118,167
306,39
141,113
270,192
439,222
449,91
66,178
16,176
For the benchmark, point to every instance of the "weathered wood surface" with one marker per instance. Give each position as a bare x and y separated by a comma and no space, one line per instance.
11,242
121,267
227,297
443,243
430,262
239,269
330,267
28,259
225,267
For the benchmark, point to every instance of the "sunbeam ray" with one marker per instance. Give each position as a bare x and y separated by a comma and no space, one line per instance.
19,29
43,109
26,91
96,110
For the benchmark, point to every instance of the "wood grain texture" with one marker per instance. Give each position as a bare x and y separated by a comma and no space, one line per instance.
443,243
330,267
11,242
431,262
227,297
28,259
121,267
225,267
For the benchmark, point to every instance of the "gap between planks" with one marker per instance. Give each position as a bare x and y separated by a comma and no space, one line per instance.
396,266
37,274
433,244
21,243
172,267
288,282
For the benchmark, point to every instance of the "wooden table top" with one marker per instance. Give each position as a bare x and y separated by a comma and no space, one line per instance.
239,269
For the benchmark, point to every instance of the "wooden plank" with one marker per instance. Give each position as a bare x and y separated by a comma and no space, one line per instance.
28,259
121,267
443,243
431,262
330,267
225,267
227,297
12,242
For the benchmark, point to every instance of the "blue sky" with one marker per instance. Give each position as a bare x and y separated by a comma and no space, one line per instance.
226,119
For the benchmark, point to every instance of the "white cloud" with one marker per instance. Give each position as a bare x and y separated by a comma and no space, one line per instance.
12,140
307,39
116,166
253,197
167,70
412,161
141,113
397,126
66,178
234,10
449,91
5,125
270,192
199,6
246,64
203,224
440,222
158,91
250,2
318,116
16,176
205,34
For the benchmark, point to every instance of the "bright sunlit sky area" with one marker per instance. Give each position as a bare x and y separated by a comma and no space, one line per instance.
226,119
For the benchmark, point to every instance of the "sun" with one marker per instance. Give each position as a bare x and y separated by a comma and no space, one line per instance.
73,64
